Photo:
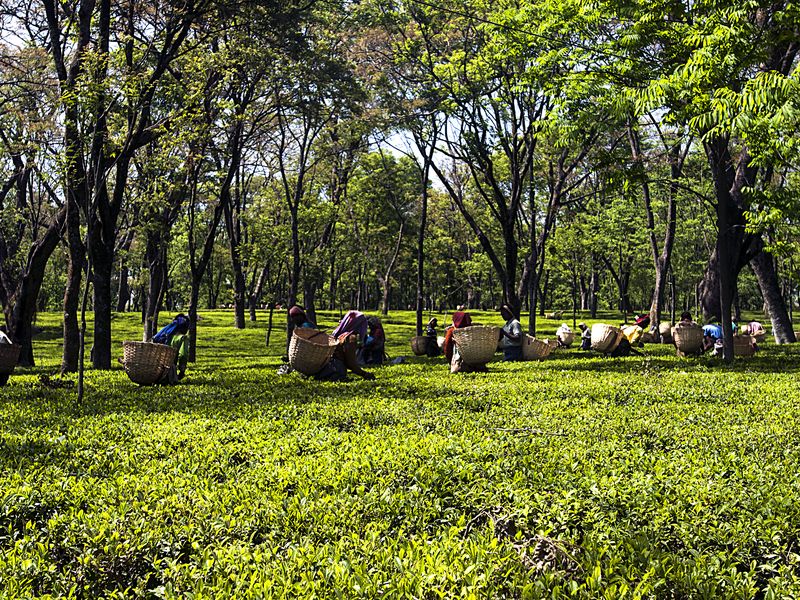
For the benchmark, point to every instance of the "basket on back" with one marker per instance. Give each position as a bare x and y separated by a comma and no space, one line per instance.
604,337
565,337
533,349
9,356
759,333
665,331
476,344
419,345
145,362
744,345
310,350
688,339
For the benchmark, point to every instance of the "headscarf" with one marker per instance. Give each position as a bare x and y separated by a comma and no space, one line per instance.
460,320
353,322
296,311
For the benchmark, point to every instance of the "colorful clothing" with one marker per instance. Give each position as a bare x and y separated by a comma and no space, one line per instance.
460,320
713,330
180,341
354,322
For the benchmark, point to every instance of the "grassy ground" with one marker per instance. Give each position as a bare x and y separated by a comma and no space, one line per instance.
574,477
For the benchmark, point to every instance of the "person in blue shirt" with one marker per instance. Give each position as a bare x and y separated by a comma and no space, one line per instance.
299,319
711,333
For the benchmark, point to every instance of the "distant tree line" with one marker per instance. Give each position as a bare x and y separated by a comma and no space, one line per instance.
379,155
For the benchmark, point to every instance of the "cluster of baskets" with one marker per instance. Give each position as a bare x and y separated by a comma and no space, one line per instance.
310,350
146,363
688,338
9,356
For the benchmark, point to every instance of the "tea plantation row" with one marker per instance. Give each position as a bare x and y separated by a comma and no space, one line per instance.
574,477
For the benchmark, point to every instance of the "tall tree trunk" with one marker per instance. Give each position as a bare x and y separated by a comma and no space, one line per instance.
310,299
255,296
72,293
124,293
20,319
156,257
764,268
194,299
102,270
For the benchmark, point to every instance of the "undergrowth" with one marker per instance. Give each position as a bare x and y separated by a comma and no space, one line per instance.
577,476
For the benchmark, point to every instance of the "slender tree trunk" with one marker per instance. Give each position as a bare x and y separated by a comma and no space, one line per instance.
124,295
101,278
764,268
72,293
156,257
310,299
20,320
257,292
194,299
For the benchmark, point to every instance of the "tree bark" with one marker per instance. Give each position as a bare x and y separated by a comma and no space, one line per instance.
24,308
72,294
764,268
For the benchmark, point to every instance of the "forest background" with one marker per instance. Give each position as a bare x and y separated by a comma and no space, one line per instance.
178,155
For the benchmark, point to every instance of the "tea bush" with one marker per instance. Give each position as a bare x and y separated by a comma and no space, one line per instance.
577,476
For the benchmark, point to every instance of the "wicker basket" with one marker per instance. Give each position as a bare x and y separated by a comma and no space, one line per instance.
145,362
9,356
533,349
565,337
476,344
688,339
310,350
665,330
604,337
419,345
647,338
743,345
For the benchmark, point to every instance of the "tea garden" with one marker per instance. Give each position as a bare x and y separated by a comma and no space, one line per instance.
577,476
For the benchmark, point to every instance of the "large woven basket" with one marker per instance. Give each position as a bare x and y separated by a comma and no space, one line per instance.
9,356
604,337
665,330
419,345
145,362
688,339
476,344
743,345
310,350
647,338
565,337
533,349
